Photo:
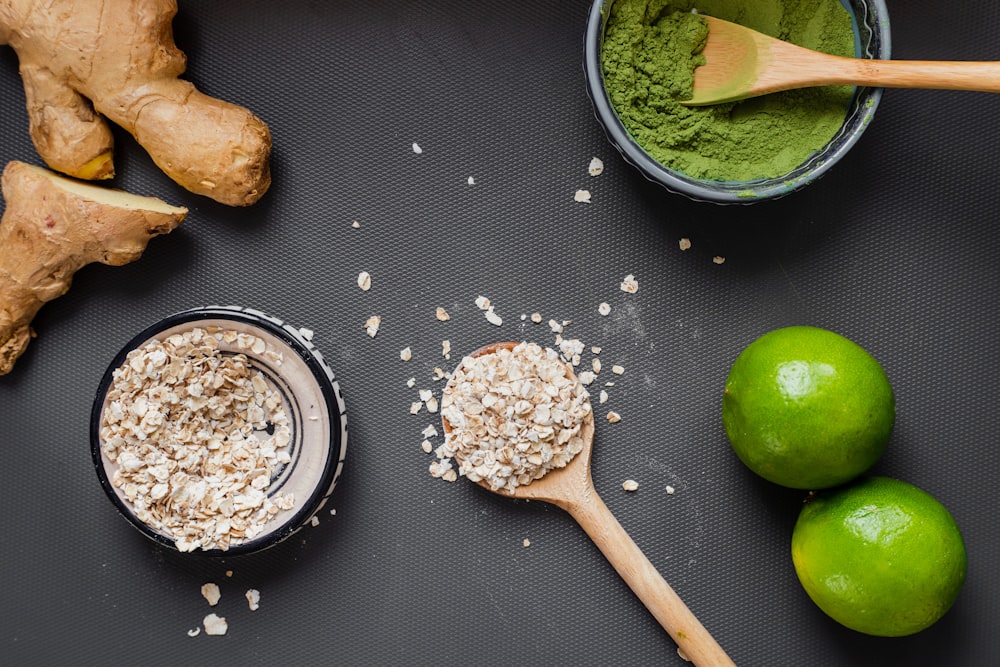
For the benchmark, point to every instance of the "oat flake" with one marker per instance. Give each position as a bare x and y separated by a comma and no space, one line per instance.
215,625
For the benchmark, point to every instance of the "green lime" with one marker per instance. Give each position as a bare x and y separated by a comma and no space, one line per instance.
807,408
879,556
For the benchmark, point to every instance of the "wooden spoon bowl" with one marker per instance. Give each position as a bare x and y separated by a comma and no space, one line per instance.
572,489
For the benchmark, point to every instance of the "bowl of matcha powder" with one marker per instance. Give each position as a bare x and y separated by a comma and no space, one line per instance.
640,61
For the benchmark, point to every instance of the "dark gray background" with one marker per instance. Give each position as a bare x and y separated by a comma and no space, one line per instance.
896,248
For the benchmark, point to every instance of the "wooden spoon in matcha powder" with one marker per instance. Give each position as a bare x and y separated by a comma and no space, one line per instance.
742,63
572,489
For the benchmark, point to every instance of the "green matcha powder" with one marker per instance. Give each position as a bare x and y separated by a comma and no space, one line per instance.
651,48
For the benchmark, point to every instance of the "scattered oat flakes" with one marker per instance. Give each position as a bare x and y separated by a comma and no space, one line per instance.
604,309
229,573
595,363
411,382
555,326
669,490
253,599
211,593
493,318
526,543
314,520
719,259
372,325
582,196
417,149
596,167
595,349
432,405
536,317
406,354
427,446
306,333
618,370
446,349
482,303
415,407
365,281
684,244
603,397
471,181
630,285
356,224
441,314
194,632
630,485
438,373
430,431
586,377
215,625
614,417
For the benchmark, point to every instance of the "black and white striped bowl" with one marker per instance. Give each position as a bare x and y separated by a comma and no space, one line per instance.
312,400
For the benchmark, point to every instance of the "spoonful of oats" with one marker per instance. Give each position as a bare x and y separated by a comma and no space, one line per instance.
519,422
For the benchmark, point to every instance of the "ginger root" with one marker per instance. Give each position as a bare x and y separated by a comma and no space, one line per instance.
82,61
53,226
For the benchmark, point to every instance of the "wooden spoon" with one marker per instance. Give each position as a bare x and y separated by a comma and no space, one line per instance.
742,63
572,489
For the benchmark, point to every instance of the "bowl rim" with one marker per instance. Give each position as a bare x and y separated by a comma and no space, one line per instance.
703,190
320,372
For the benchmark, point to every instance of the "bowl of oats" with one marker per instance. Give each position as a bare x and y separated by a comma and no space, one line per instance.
219,431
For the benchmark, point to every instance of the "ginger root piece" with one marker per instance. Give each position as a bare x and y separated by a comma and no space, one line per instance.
82,61
53,226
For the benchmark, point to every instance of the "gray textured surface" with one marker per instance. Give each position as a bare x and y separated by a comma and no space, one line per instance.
896,248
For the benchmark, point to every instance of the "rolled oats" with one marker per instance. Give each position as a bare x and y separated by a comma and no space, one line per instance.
197,436
253,599
512,416
582,196
406,354
215,625
630,485
441,314
364,281
596,167
211,593
629,284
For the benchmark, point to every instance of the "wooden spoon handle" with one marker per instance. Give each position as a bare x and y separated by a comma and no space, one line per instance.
693,640
940,75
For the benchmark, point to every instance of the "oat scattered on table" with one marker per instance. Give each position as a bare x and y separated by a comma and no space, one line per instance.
356,224
526,543
471,181
630,485
417,149
441,314
427,446
670,490
618,370
493,318
482,303
582,196
211,593
536,318
446,349
595,363
603,398
415,407
604,309
253,599
719,259
364,281
194,632
629,284
684,244
215,625
406,354
614,417
596,167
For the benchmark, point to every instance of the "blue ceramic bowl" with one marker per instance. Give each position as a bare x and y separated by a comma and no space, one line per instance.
871,21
